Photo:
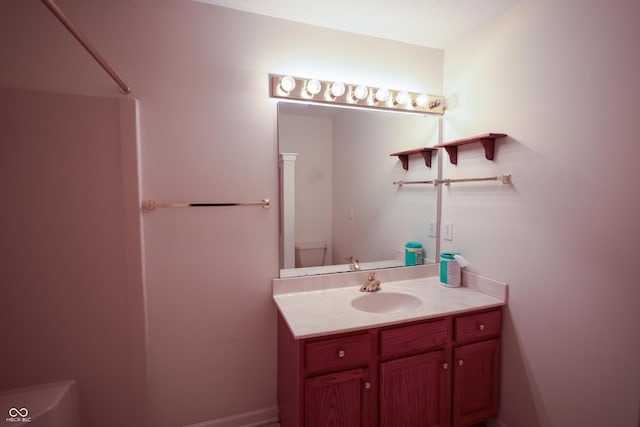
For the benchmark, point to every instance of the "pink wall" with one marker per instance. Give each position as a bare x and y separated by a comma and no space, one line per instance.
208,133
71,285
561,78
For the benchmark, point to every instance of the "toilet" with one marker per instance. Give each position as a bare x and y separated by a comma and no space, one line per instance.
310,254
43,405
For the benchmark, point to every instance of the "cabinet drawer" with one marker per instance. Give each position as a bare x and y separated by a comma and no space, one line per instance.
478,326
337,352
414,338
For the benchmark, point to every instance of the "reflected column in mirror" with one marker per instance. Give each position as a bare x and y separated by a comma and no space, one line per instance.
345,201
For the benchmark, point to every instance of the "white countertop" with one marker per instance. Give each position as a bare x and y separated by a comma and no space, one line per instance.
311,313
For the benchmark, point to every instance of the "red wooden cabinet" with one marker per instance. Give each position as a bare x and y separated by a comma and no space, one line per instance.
414,391
476,367
338,399
475,382
435,373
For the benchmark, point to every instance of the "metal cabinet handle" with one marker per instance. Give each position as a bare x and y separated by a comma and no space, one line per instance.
367,385
460,362
481,327
341,353
445,366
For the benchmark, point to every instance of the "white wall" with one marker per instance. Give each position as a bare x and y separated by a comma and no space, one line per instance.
561,78
208,133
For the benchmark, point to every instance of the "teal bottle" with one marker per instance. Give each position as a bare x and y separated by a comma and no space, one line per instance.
413,253
450,273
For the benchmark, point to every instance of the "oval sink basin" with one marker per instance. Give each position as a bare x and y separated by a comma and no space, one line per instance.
385,302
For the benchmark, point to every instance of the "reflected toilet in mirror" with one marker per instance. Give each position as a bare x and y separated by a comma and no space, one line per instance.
310,254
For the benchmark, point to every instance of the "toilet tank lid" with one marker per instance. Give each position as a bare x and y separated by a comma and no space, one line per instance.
311,245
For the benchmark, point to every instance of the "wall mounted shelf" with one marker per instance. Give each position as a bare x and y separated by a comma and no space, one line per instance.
488,141
426,152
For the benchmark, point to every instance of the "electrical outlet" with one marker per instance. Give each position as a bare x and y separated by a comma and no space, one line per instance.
432,229
448,232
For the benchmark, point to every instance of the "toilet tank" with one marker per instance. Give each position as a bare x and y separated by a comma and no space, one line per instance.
310,254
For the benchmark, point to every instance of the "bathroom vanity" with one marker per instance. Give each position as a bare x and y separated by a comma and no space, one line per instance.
391,362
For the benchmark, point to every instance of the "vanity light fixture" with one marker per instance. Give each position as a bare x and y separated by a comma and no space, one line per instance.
337,89
360,93
421,100
300,89
402,98
313,87
287,83
382,95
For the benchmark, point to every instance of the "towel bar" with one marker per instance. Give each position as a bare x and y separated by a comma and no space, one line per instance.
151,205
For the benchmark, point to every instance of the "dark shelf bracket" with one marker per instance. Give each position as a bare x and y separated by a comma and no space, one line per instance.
404,158
452,151
489,147
427,154
427,157
487,140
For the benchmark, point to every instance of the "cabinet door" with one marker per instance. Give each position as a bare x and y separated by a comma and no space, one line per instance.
415,391
338,399
475,382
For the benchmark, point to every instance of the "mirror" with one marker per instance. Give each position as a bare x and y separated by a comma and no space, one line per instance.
338,199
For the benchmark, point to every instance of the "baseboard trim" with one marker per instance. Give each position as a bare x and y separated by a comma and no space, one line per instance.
257,418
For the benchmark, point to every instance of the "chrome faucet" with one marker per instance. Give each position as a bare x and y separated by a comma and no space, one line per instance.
353,264
371,285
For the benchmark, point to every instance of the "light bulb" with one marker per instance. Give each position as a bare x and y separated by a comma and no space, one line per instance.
382,95
360,92
313,87
287,83
421,100
337,89
402,98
